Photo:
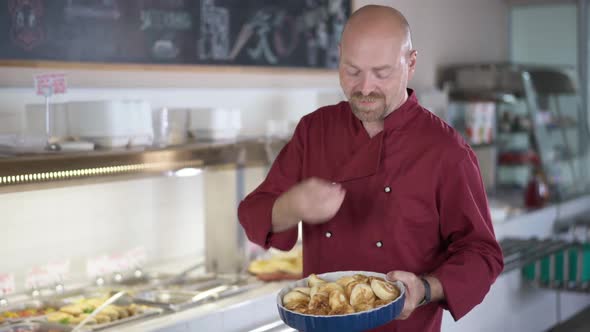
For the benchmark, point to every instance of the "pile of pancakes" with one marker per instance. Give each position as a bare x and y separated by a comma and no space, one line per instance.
347,295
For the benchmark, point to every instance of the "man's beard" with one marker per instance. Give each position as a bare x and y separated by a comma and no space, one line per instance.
371,113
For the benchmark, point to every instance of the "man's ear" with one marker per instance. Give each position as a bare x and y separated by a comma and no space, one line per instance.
412,58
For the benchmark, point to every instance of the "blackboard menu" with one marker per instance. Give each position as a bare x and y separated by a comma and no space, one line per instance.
276,33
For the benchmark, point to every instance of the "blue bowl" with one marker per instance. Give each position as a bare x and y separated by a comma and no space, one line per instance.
360,321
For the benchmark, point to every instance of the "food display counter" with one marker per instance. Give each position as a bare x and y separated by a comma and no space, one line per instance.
245,303
157,302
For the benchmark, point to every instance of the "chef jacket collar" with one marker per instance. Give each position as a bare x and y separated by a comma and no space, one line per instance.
398,119
366,157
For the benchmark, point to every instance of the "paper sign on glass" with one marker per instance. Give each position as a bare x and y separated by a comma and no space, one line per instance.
50,84
7,284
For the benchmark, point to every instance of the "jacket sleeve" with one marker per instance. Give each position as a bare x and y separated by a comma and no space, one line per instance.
255,211
474,258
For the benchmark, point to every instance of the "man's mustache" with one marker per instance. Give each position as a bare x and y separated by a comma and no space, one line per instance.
358,96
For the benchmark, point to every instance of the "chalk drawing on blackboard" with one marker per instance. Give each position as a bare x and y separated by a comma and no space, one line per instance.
214,39
26,29
313,23
337,14
261,25
245,33
316,40
165,49
275,34
286,34
272,34
323,27
103,9
165,20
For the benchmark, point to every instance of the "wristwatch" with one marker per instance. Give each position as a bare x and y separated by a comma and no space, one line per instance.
427,294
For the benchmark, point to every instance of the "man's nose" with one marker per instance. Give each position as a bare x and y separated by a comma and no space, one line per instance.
366,85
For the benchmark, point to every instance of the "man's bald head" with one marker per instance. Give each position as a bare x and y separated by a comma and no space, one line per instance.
375,20
376,62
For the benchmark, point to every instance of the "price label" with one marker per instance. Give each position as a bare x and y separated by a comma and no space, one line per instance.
50,84
136,257
7,284
99,266
119,262
39,277
60,269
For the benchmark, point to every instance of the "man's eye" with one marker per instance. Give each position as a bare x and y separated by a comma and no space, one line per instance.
383,74
354,72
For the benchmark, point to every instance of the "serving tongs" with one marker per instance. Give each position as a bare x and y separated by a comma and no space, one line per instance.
209,294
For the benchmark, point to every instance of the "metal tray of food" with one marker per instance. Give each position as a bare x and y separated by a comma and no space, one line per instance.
121,312
34,326
28,309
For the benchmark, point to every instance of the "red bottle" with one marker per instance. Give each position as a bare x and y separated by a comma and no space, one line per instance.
536,193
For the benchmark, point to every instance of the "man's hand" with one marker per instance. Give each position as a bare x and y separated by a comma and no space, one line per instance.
314,200
415,290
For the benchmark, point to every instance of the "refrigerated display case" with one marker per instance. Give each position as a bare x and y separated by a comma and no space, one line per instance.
526,125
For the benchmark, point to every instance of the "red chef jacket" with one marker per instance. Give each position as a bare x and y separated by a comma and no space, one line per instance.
414,202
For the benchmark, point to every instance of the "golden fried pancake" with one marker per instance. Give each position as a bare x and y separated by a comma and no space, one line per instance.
337,299
384,290
294,299
343,281
314,280
350,287
361,278
362,294
304,290
329,287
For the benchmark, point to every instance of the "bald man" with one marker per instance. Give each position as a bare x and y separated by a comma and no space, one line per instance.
381,184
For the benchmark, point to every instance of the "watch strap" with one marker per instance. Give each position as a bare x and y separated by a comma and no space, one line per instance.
427,292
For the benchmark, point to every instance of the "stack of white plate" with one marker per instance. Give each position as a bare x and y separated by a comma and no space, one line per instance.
215,123
111,124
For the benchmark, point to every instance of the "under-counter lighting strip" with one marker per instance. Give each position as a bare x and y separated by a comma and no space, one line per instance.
84,172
